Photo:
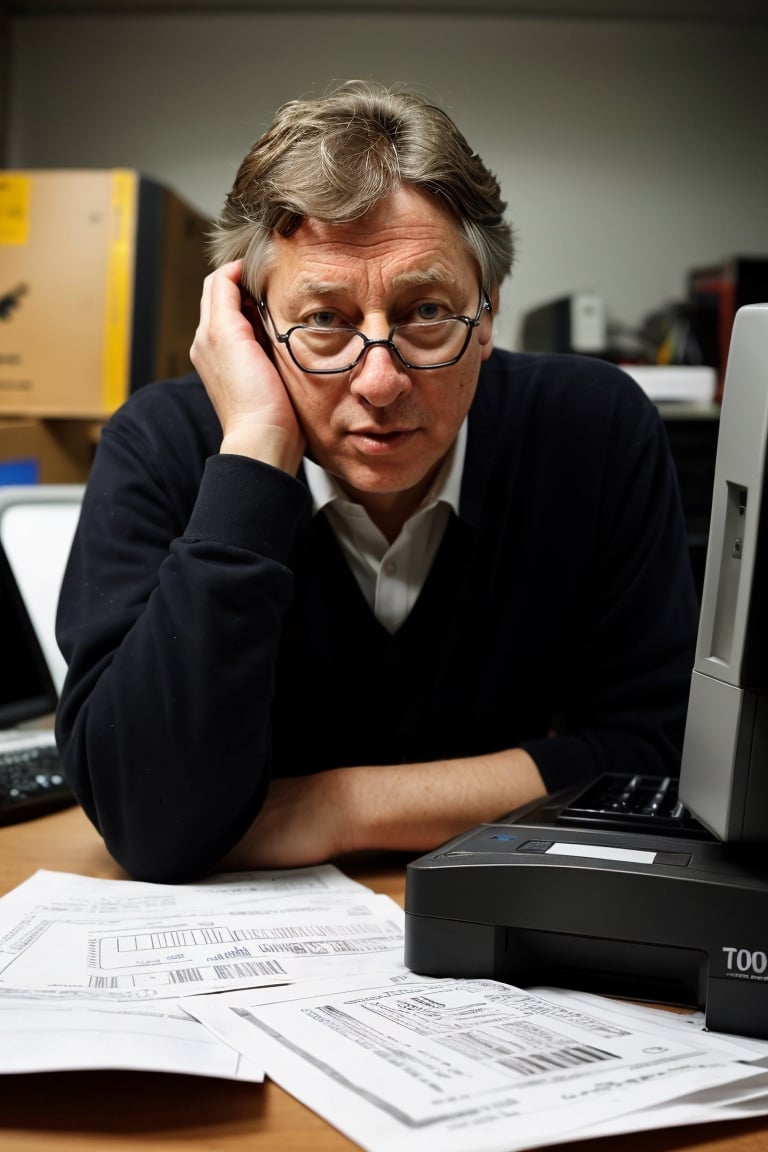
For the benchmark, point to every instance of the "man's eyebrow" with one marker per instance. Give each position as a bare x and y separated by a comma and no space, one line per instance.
417,277
412,278
320,288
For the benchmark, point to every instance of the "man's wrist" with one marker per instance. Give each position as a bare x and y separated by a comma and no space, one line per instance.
267,443
416,807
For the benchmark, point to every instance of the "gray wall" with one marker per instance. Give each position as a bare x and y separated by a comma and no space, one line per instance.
629,151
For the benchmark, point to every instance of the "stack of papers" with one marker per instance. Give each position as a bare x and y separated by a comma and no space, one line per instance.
298,975
93,972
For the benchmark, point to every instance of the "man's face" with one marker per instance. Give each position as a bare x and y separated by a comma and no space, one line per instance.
381,429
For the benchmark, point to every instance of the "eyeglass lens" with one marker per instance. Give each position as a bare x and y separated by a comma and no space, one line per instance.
421,345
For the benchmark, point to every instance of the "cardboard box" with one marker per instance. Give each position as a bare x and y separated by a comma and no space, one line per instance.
101,273
46,451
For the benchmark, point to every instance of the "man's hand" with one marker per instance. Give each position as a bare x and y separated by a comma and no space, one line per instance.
401,807
231,353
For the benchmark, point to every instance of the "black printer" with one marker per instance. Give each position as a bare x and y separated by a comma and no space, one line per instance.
566,895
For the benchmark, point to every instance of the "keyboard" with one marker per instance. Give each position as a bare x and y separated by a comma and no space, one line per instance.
31,781
621,802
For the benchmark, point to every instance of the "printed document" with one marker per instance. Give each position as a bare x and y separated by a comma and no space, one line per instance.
404,1064
743,1100
90,970
121,940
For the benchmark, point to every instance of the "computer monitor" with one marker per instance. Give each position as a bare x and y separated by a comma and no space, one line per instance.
37,525
724,771
27,691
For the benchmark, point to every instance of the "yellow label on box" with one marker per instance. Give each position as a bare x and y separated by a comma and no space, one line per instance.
14,209
119,289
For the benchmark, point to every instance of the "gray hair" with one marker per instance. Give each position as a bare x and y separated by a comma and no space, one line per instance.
335,157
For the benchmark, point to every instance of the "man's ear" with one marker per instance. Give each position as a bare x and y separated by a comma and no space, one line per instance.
485,331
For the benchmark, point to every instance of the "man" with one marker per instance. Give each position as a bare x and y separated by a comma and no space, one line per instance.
365,582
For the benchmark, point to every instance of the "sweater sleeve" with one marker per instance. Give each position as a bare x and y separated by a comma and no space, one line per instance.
165,584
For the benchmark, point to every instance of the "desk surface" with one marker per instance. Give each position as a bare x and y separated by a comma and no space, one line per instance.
121,1111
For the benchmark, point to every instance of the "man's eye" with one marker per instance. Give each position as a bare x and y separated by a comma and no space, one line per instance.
324,319
428,311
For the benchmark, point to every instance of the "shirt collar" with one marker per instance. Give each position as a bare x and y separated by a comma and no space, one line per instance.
324,488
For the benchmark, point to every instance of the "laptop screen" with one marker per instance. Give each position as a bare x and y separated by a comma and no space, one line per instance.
27,691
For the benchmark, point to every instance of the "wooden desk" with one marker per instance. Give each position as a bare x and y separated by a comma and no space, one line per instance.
122,1111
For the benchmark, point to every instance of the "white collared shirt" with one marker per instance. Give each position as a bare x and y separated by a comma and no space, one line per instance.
391,576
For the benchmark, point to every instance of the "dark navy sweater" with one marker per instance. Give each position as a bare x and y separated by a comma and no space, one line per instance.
215,635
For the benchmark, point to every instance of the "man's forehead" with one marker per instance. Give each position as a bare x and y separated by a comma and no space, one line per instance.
408,239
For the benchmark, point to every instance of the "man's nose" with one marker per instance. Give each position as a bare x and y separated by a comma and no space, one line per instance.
380,377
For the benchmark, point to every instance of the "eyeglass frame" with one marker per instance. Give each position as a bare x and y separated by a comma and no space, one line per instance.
285,338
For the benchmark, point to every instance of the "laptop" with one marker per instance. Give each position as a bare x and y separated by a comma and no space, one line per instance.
31,783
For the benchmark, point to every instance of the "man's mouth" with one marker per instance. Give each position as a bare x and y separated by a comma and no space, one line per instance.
370,439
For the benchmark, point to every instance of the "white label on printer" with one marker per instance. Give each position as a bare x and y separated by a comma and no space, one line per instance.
745,962
602,852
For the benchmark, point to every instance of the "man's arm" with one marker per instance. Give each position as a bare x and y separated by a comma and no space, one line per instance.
169,619
400,807
172,603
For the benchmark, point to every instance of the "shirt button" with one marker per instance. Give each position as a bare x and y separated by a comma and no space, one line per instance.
389,567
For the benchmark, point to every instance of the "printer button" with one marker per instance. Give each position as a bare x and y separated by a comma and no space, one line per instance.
679,859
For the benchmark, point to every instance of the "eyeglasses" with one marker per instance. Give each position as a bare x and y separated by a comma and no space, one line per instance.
430,344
